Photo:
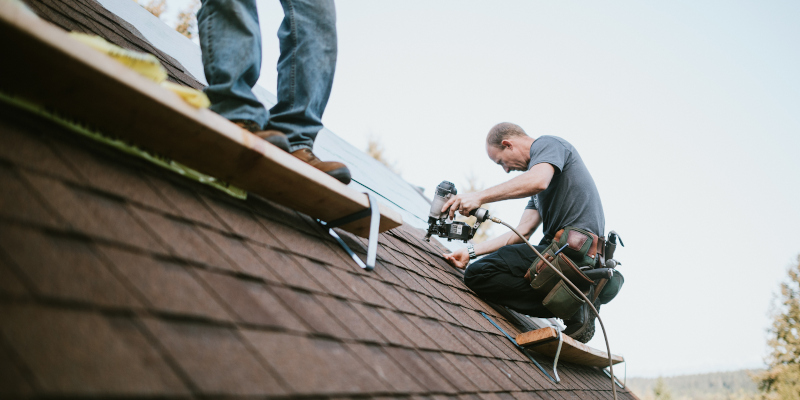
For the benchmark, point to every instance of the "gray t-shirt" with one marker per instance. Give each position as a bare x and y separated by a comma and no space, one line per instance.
571,199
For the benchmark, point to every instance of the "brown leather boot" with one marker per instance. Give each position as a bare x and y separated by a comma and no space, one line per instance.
276,138
332,168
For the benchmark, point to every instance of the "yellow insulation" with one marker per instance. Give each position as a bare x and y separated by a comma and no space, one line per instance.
146,65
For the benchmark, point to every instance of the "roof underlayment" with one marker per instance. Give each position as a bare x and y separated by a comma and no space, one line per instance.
119,278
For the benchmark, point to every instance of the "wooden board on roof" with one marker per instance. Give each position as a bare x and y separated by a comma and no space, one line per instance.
44,65
543,341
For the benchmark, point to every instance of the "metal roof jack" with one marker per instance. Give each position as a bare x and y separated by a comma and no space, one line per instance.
616,380
560,339
375,218
525,351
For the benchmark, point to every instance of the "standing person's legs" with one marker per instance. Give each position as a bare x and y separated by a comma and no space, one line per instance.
499,278
305,69
230,40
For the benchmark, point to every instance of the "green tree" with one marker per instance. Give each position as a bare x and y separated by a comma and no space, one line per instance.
661,391
782,378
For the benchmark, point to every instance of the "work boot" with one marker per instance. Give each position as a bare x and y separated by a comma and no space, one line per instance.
276,138
581,325
332,168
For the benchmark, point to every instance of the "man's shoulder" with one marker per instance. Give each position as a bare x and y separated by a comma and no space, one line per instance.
548,143
546,140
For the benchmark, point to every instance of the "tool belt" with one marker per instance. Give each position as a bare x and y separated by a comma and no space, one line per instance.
581,248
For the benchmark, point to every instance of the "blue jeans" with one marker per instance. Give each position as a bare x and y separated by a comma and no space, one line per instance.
230,39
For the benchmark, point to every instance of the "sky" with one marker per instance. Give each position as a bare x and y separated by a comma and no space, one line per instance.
686,113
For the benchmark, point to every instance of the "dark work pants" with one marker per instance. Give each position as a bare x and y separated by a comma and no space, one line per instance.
499,278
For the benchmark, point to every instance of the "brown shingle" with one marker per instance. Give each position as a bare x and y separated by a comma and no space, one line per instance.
382,272
13,381
436,331
309,308
410,281
215,359
314,366
326,279
392,296
166,286
240,221
63,268
385,368
184,240
417,367
382,325
461,316
112,177
286,268
452,373
409,329
92,214
23,147
438,307
463,336
19,203
352,320
499,373
10,283
185,203
466,367
419,301
81,353
239,253
361,288
252,302
301,243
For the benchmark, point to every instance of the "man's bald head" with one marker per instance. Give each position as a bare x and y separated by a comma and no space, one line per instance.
503,131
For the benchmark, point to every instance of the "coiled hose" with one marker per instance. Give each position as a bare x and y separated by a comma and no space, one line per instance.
575,288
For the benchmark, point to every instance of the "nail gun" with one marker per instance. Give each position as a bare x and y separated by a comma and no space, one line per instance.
441,225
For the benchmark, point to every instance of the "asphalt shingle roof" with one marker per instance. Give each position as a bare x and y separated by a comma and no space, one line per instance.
120,278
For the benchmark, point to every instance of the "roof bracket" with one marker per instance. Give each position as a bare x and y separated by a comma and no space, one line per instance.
372,247
523,350
558,352
616,380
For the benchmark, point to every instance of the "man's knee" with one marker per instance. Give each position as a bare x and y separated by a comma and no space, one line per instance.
476,274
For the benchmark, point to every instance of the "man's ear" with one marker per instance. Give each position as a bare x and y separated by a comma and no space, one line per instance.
506,143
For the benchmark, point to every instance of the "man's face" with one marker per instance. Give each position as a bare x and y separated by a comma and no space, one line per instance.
507,157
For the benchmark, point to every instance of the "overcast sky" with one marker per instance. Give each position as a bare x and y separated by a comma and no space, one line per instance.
687,114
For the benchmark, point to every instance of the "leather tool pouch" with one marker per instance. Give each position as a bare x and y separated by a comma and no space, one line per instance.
581,245
559,297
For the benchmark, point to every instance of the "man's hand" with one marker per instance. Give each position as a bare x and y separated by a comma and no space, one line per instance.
458,258
463,203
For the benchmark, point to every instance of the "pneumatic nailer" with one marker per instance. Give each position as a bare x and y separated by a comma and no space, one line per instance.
441,225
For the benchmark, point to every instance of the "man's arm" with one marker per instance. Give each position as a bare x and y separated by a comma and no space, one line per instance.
527,225
528,184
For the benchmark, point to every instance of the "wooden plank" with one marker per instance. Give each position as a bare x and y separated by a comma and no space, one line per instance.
41,63
571,350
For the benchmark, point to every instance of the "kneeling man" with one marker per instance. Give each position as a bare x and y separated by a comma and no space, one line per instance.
563,195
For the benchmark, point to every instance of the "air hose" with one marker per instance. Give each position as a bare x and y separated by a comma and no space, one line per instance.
575,288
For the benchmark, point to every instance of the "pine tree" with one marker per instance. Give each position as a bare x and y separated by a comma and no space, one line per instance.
782,378
661,391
